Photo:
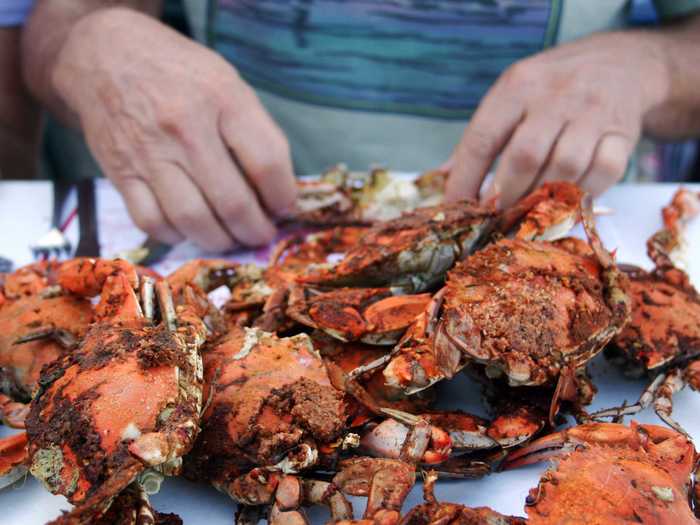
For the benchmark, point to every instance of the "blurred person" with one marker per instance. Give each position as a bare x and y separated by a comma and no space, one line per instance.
198,140
19,114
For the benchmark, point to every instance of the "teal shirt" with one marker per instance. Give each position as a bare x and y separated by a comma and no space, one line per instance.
391,82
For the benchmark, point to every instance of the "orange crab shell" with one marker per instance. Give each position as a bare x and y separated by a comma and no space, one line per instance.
266,396
538,284
106,404
664,324
615,474
25,315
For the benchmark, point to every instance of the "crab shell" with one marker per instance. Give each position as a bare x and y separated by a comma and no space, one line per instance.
371,315
664,326
608,473
444,513
270,404
412,252
523,309
127,398
22,363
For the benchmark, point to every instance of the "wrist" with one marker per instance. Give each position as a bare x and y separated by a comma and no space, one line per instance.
90,45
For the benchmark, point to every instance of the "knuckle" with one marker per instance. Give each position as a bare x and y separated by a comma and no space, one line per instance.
526,156
479,142
234,209
521,72
612,164
568,166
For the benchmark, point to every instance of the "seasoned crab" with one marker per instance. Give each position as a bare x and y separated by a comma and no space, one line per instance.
530,311
609,473
263,293
31,303
344,197
130,507
663,336
127,399
411,253
371,315
273,413
434,512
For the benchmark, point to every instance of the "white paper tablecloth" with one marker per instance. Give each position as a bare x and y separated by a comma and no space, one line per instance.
24,215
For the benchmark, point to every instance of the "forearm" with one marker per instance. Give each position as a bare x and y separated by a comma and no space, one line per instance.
46,33
676,115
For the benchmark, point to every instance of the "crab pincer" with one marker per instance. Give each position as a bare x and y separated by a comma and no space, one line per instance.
126,402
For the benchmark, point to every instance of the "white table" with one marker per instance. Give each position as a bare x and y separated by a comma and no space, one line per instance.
24,216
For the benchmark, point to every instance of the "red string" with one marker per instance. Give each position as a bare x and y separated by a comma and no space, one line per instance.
68,220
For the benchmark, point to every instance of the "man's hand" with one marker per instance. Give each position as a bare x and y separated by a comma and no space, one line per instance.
174,127
571,113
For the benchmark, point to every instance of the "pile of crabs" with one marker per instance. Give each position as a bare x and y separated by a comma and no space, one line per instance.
316,380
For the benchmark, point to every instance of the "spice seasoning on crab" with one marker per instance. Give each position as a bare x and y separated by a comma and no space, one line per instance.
663,335
444,513
608,473
528,310
30,302
271,405
127,398
411,253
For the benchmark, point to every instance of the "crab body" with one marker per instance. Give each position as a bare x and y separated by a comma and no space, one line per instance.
126,399
635,474
412,252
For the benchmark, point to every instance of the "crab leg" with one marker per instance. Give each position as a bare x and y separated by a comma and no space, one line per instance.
13,456
12,413
660,393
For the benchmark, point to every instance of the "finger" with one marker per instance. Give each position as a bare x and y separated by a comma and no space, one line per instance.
229,194
609,163
483,139
145,211
262,152
187,210
525,157
573,153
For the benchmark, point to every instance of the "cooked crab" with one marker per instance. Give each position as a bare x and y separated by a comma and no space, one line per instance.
411,253
263,293
609,473
663,336
127,399
130,507
13,458
345,197
434,512
531,311
30,302
371,315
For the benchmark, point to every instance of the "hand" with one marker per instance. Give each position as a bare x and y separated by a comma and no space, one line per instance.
571,113
173,126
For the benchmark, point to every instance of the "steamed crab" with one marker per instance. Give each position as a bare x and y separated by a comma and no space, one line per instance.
345,197
534,312
125,403
410,253
635,474
604,473
663,336
272,414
